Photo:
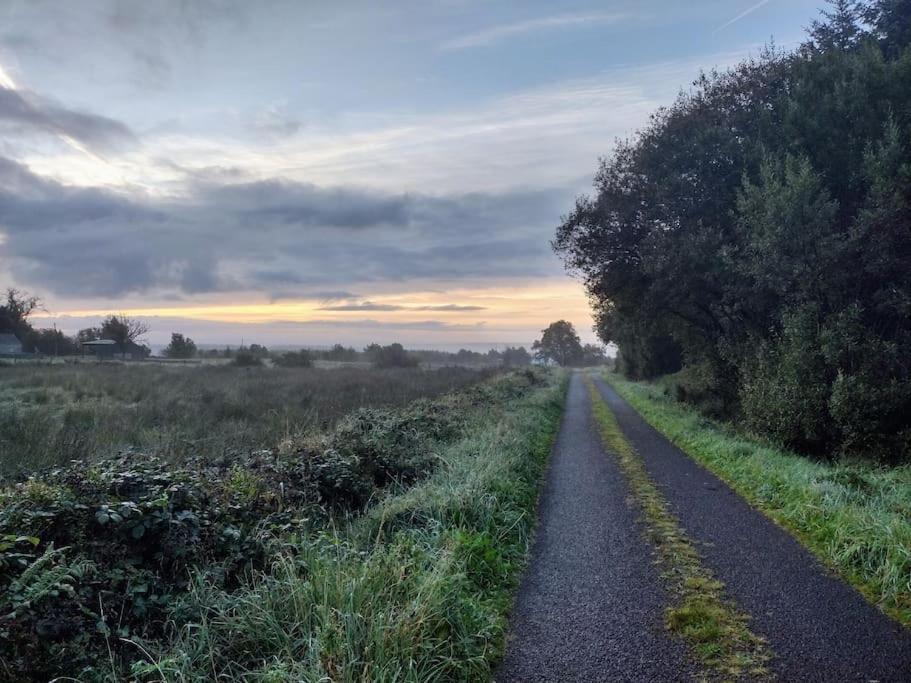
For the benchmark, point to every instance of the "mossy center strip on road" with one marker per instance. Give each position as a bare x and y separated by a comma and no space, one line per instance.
714,627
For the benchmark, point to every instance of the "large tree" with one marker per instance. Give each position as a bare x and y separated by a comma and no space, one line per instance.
757,232
15,312
180,347
123,330
559,344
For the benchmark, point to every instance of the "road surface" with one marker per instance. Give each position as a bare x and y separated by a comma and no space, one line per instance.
591,605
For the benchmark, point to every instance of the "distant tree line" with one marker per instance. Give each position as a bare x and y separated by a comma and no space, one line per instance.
389,356
127,334
757,235
18,306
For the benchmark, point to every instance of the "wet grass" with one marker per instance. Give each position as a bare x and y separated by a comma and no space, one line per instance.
51,414
417,590
854,516
714,627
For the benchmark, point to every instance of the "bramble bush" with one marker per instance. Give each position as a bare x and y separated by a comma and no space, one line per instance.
93,556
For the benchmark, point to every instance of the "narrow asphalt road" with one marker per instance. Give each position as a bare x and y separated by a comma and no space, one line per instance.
817,626
591,605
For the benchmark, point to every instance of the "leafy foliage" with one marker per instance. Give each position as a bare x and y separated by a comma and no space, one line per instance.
15,311
559,344
123,330
757,233
180,347
95,555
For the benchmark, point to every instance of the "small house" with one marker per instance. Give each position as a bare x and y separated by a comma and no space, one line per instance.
108,349
10,345
102,349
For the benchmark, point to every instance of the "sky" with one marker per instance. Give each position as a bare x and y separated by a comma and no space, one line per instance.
303,173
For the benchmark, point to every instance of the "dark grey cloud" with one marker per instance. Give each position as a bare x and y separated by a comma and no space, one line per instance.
28,202
29,112
305,204
325,297
290,240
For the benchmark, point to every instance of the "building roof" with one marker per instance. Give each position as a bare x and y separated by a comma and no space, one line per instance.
8,338
100,342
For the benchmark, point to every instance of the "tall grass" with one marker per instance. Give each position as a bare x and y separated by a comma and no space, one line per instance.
854,516
418,590
51,414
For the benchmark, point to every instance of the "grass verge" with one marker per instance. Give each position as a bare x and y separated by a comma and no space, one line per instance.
717,631
855,517
416,590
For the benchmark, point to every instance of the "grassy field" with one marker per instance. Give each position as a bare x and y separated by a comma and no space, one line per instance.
854,516
385,548
50,414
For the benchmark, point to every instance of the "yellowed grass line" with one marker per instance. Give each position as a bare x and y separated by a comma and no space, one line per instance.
716,629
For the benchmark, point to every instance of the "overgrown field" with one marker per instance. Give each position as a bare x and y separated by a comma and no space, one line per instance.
50,414
854,515
385,548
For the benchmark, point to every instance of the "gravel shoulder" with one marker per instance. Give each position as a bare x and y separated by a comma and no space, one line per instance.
819,628
591,605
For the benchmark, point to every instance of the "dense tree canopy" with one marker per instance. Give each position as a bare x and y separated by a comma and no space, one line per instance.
757,233
123,330
15,311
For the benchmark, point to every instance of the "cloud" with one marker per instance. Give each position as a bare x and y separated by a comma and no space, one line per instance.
290,278
743,15
451,307
496,34
364,306
29,112
275,122
307,204
275,236
545,137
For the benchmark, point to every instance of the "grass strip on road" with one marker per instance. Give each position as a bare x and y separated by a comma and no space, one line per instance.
855,517
713,625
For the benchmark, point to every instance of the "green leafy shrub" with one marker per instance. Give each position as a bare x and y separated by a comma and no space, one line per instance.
93,555
786,388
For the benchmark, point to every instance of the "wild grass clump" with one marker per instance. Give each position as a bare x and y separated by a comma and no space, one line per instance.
52,414
853,515
102,561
